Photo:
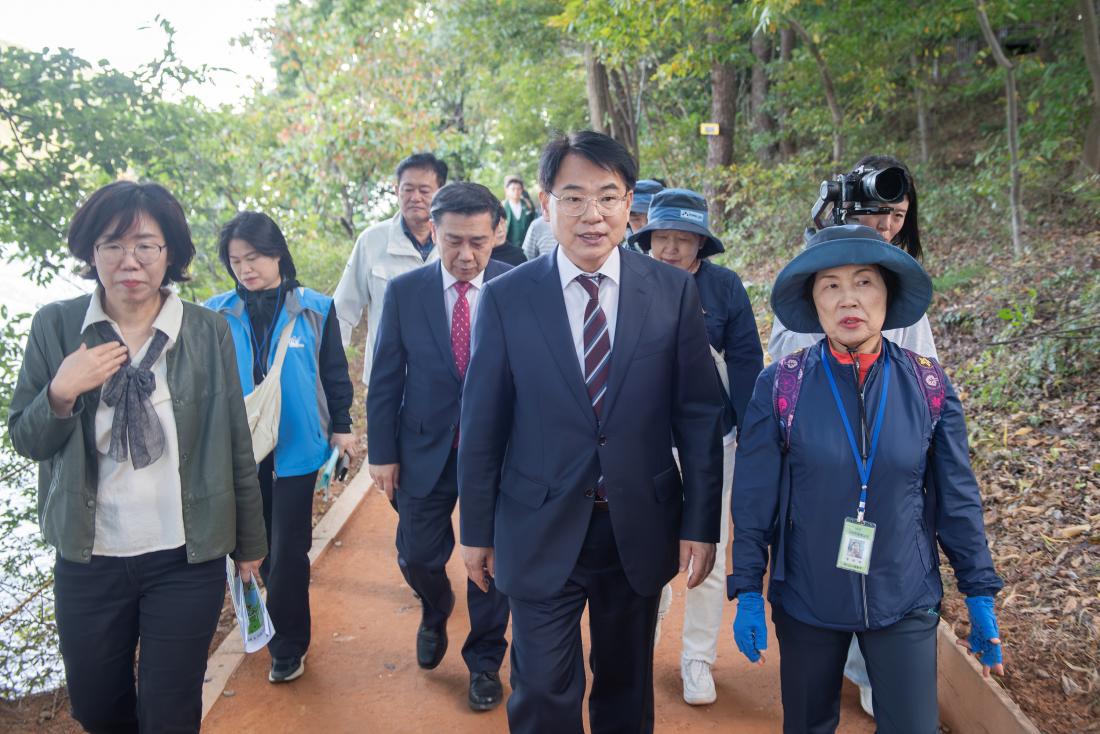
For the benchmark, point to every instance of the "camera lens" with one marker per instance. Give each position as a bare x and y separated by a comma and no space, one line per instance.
887,185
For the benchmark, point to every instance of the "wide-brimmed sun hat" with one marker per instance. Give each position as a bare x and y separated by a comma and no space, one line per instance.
850,244
680,209
643,195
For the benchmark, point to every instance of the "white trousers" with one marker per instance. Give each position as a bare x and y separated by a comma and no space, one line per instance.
704,605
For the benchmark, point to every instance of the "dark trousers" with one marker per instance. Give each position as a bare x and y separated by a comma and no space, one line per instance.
901,662
425,541
548,661
105,607
288,517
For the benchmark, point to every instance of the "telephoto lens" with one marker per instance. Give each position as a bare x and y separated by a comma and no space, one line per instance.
887,184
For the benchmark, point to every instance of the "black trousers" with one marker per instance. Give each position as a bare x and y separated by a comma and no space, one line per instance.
548,676
288,517
425,541
901,662
105,607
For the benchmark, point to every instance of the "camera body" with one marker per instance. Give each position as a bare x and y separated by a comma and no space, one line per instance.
865,190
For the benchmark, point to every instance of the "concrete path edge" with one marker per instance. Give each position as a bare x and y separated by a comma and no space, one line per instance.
230,654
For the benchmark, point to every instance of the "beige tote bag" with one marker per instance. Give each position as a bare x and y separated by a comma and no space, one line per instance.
264,404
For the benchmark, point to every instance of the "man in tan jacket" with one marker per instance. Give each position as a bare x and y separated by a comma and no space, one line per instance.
388,249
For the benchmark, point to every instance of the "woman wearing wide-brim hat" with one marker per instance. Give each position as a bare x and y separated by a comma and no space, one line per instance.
678,233
852,463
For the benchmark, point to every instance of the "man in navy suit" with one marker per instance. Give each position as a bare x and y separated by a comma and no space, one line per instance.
589,364
413,406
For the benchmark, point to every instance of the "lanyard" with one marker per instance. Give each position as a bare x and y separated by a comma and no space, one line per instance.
259,347
863,463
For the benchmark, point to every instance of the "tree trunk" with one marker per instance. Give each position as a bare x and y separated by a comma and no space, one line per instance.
623,127
1012,119
787,146
763,122
597,90
829,89
922,106
723,110
1091,36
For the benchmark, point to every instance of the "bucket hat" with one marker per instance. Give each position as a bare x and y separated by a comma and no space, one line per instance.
643,195
850,244
680,209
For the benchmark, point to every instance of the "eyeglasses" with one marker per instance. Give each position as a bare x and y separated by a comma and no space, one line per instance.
145,253
575,206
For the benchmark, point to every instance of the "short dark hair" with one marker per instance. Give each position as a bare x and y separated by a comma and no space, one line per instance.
260,231
463,197
426,161
118,205
908,238
602,150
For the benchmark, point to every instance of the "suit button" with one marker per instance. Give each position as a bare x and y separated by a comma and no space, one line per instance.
91,503
589,493
454,426
603,440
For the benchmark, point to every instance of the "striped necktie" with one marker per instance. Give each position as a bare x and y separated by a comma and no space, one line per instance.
597,343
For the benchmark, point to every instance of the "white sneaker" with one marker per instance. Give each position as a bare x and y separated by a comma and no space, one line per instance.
865,700
698,682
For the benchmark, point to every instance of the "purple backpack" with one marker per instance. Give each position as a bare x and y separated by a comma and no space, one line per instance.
788,382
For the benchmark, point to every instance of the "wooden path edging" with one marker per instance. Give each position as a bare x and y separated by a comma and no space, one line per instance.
969,702
230,654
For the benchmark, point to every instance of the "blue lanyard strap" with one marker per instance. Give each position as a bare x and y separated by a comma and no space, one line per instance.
864,466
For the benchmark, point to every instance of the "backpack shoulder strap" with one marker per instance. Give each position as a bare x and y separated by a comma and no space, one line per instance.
932,380
785,388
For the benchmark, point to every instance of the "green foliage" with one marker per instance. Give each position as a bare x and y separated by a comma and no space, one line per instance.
29,659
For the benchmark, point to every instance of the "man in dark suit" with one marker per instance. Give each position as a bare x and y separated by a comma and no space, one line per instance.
588,364
413,405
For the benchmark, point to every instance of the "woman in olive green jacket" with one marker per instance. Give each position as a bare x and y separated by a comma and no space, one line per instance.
129,399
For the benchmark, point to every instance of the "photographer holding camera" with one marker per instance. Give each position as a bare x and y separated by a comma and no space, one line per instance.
896,222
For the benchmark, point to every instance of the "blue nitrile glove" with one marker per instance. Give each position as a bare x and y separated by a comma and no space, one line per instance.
749,631
983,628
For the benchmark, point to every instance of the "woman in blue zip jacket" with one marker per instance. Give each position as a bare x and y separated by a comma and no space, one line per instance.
852,463
677,233
315,416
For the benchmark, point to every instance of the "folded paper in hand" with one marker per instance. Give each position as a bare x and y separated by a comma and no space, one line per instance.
252,616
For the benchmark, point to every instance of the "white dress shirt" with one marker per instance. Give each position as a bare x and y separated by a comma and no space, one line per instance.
140,510
450,295
576,298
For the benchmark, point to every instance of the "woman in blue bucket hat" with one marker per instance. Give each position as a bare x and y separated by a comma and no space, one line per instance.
678,233
853,463
897,223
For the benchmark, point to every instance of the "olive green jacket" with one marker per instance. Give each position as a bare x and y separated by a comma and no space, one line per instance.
222,508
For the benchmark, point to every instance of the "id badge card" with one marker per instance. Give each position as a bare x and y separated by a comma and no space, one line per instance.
856,543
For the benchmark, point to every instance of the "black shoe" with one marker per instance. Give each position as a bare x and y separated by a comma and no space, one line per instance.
485,691
284,670
431,645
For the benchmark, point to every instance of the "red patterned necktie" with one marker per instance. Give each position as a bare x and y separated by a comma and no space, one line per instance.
460,334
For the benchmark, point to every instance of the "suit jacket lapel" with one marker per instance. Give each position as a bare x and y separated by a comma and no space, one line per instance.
436,311
549,307
633,306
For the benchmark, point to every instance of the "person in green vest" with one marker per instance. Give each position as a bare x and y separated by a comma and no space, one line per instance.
519,211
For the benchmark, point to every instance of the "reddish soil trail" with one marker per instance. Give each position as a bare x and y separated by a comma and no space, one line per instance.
362,675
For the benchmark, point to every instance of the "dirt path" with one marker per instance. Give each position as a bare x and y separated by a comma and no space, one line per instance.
362,674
